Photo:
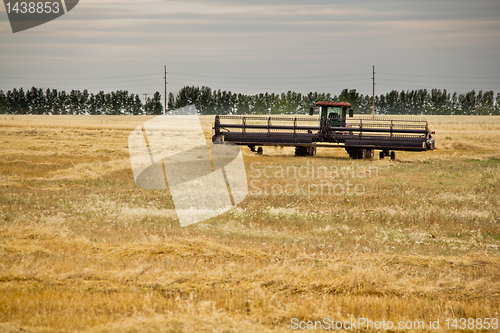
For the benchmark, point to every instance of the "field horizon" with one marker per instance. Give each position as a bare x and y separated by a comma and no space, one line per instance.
83,248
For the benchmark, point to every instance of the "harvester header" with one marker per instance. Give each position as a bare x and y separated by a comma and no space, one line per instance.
334,127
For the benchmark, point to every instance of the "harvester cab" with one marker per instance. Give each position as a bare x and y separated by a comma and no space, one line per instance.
335,113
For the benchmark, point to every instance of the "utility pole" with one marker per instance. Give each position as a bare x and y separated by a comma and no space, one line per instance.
165,97
373,96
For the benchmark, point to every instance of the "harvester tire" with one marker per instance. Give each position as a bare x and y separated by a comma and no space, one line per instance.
301,151
354,153
366,154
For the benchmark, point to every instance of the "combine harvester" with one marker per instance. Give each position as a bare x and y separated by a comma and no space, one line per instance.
358,136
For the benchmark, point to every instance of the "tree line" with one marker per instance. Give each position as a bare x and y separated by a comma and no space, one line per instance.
409,102
76,102
208,101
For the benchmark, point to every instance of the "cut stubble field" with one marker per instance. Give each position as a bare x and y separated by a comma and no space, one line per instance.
82,248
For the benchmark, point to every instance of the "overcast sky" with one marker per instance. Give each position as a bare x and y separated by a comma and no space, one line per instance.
253,46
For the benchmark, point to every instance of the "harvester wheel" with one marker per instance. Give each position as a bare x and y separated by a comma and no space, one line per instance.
366,153
298,151
381,155
429,146
301,151
393,155
355,154
260,151
358,154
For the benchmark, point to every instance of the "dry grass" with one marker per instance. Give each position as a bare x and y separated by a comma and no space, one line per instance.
84,249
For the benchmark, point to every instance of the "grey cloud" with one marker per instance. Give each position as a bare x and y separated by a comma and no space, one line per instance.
263,39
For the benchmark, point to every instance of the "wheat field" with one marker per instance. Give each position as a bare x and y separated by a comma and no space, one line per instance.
83,249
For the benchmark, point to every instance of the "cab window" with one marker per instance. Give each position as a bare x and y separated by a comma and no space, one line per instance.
334,113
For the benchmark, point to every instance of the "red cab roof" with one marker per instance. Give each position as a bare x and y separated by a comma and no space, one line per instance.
333,104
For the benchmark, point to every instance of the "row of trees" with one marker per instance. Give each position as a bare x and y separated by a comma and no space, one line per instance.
224,102
436,101
37,101
420,101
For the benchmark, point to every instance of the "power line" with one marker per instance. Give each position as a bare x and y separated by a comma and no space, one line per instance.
71,82
442,77
178,74
284,86
271,83
86,78
385,79
428,82
256,78
91,87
